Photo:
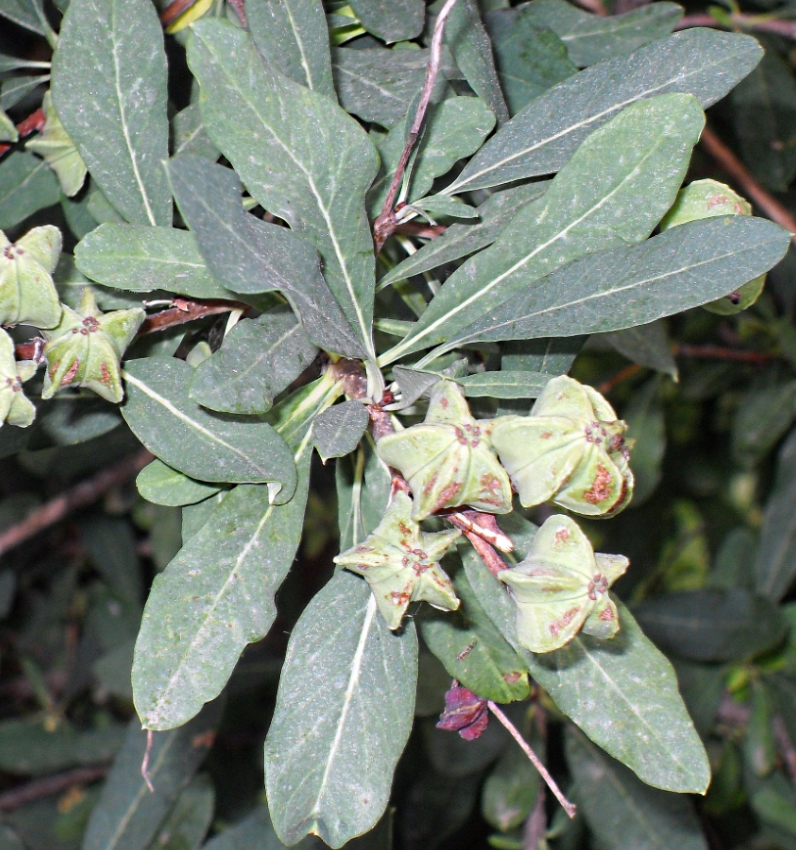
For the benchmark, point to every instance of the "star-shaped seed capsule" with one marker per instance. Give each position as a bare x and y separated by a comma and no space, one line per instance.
401,563
571,449
15,407
562,587
27,292
448,459
86,348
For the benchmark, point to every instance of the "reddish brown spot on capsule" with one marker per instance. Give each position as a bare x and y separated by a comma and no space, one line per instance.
562,535
568,617
601,487
607,614
71,373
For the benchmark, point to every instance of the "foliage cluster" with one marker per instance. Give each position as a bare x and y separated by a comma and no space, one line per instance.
330,252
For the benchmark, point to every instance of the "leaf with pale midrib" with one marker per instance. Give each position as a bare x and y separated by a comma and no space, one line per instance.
301,156
114,50
541,138
331,750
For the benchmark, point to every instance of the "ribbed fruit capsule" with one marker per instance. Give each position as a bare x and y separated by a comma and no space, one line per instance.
401,563
86,348
27,291
570,449
561,588
15,407
448,459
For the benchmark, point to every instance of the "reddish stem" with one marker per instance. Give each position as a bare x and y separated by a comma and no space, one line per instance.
31,124
754,22
49,785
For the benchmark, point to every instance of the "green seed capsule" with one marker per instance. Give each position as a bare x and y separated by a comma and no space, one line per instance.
15,407
448,460
401,563
27,292
571,449
86,348
561,588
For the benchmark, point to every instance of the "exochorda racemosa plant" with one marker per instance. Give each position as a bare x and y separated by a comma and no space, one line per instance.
383,224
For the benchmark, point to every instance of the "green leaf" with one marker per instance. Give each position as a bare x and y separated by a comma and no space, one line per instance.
443,205
472,50
648,345
511,789
378,84
530,59
504,384
138,258
27,13
614,190
13,63
622,812
454,129
391,20
163,485
639,719
773,805
331,751
761,419
635,285
110,546
8,131
128,815
250,255
190,136
764,117
201,444
189,819
541,138
363,492
775,567
114,50
644,417
254,831
412,384
257,360
213,599
14,89
27,184
265,124
472,649
292,35
459,240
712,624
338,430
592,38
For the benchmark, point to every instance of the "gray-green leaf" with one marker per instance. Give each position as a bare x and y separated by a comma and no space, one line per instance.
541,138
213,599
114,51
257,360
613,191
27,184
267,125
203,445
292,35
391,20
331,750
629,286
338,430
624,813
505,384
249,255
162,485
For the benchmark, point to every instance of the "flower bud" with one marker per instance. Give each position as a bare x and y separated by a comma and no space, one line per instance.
86,348
58,150
571,449
448,460
401,563
705,199
562,587
15,407
27,292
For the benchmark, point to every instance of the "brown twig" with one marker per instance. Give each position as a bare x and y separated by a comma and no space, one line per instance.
419,230
186,311
715,352
385,224
31,124
145,761
49,785
486,552
536,823
785,746
79,496
619,378
741,21
568,807
483,525
173,11
741,175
